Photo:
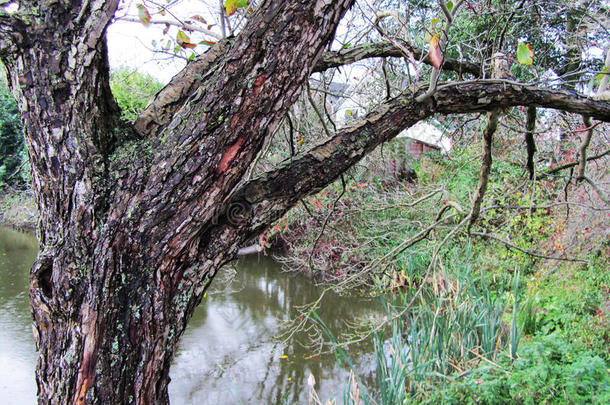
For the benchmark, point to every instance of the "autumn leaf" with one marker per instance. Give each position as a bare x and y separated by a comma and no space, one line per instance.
209,43
144,15
184,40
435,54
525,55
199,18
232,5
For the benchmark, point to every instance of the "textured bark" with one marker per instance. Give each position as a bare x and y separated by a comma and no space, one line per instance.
135,222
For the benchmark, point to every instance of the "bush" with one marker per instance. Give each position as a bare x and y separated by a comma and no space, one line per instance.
133,91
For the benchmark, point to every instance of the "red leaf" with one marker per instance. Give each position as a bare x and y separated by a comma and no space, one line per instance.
436,57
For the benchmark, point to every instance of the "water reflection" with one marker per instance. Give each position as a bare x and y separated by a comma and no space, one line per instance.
228,354
17,354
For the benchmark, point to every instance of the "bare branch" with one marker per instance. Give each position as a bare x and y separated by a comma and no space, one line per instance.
582,152
387,49
527,252
572,164
186,83
179,24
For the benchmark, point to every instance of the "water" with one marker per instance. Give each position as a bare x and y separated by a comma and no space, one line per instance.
229,354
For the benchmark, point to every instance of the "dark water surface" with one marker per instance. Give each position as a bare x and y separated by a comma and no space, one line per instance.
229,354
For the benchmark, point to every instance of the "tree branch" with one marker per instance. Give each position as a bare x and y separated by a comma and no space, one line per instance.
385,49
171,98
530,142
179,24
572,164
582,152
527,252
490,129
270,196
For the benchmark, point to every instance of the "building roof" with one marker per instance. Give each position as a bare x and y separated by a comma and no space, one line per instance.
428,134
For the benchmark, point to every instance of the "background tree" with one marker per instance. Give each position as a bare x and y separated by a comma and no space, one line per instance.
136,220
12,148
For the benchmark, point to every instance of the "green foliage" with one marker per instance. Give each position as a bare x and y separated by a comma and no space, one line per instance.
12,148
550,370
133,91
525,55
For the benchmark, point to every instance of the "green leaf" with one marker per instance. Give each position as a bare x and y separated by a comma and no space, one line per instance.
232,5
144,15
449,6
184,40
525,55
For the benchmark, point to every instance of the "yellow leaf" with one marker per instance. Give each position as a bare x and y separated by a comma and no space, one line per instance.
230,6
283,356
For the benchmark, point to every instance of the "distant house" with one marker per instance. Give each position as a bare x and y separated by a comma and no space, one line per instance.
349,105
423,137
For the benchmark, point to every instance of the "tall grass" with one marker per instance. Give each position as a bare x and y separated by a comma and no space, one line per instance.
443,337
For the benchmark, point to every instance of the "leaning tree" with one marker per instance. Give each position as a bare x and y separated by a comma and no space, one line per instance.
135,220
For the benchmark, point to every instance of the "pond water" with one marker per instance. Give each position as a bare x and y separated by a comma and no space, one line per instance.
229,354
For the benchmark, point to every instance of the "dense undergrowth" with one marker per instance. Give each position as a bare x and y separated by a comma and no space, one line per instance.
516,311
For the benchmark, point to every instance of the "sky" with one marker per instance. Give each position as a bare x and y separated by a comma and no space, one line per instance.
130,44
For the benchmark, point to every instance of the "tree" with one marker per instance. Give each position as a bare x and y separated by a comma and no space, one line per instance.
136,220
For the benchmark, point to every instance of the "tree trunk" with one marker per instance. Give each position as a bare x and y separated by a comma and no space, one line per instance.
133,222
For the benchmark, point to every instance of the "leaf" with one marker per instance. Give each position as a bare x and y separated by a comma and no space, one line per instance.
231,6
199,18
184,40
525,55
449,6
209,43
144,15
436,57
